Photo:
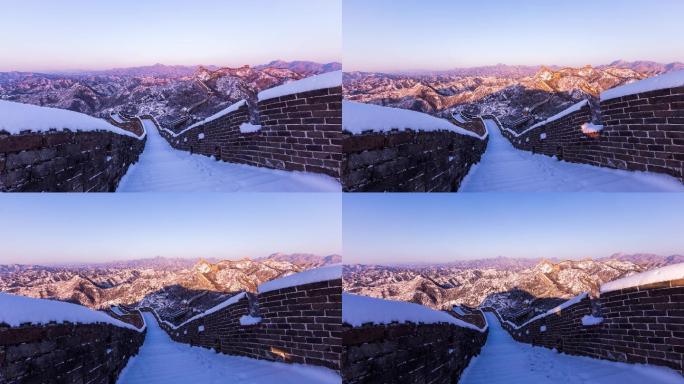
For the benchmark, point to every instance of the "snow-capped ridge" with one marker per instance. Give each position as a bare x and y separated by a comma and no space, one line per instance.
17,117
664,81
18,310
326,273
359,310
358,118
667,273
312,83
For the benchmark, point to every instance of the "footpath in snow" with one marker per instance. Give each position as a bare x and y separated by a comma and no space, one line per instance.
507,169
161,360
162,168
504,360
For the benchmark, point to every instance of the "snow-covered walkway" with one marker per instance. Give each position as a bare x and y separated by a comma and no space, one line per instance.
162,168
505,168
504,360
161,360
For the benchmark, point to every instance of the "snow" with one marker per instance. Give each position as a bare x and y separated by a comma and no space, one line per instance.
322,81
505,361
591,320
542,136
329,272
505,168
18,117
162,168
161,360
664,81
116,117
117,310
249,320
667,273
553,311
358,118
542,328
221,113
588,128
200,136
200,328
359,310
232,300
458,310
458,117
574,108
17,310
249,128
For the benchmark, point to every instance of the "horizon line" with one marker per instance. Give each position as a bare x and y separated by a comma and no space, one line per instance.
63,263
426,70
220,66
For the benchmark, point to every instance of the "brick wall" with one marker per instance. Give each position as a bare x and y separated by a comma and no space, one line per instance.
299,324
642,132
408,161
641,325
66,353
65,161
300,132
408,353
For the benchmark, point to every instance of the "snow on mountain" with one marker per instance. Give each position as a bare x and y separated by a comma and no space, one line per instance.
534,93
477,283
177,288
177,96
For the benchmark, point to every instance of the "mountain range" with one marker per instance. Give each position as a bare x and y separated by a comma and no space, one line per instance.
172,286
513,93
505,283
176,95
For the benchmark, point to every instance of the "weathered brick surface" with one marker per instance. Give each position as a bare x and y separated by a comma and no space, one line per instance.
300,132
408,161
642,132
408,353
63,161
299,324
641,325
66,353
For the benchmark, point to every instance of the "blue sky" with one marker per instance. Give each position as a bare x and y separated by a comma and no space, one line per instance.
392,35
404,228
57,228
43,35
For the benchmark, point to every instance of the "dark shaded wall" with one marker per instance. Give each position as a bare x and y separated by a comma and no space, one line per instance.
408,353
66,353
63,161
408,161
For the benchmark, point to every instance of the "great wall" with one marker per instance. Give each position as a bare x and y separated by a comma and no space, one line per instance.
400,151
293,320
640,133
641,128
294,131
635,320
293,127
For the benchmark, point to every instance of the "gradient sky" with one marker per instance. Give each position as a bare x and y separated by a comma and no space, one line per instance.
43,35
56,228
406,228
395,35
